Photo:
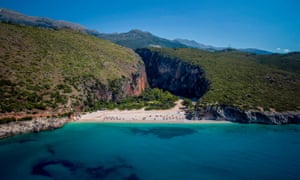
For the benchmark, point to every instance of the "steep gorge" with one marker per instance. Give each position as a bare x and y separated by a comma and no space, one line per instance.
174,75
185,79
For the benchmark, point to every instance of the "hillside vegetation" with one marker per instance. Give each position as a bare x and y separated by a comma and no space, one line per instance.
246,80
56,70
288,62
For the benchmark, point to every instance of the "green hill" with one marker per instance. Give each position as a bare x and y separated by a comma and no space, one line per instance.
288,62
58,70
246,80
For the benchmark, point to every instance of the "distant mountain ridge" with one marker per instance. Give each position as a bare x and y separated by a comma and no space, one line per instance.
132,39
13,17
255,51
195,44
139,39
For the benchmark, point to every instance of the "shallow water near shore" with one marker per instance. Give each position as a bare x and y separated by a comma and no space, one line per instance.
154,151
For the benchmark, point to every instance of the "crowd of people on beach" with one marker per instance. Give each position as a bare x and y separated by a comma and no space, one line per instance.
178,116
174,114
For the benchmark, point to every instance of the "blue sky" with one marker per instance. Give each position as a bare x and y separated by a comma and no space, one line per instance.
272,25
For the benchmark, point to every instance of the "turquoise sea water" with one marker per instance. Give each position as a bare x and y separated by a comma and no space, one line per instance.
154,151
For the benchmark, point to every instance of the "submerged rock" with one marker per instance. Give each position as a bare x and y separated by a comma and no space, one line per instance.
164,132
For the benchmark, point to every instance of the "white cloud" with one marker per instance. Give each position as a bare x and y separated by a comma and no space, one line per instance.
282,50
286,50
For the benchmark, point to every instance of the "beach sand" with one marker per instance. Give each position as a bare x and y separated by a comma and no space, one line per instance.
173,115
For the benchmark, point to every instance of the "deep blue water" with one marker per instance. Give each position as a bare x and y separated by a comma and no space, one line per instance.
154,151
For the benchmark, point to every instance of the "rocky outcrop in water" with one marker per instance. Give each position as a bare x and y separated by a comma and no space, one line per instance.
174,75
230,113
36,125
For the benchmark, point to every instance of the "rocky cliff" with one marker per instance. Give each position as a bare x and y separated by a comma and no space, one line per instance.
114,90
174,75
233,114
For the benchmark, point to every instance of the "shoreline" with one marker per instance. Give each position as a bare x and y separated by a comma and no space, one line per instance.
156,121
175,115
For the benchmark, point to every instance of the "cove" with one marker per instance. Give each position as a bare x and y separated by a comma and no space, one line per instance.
154,151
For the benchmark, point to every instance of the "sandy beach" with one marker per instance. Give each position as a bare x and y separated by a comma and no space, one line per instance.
173,115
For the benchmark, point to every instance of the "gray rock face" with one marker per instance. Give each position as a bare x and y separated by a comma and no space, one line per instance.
229,113
36,125
174,75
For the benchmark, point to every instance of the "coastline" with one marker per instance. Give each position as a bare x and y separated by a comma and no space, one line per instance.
173,115
156,121
35,125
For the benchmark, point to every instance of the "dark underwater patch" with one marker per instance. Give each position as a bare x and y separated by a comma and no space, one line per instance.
40,168
50,149
101,173
117,171
164,132
296,142
132,177
219,172
12,141
26,140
